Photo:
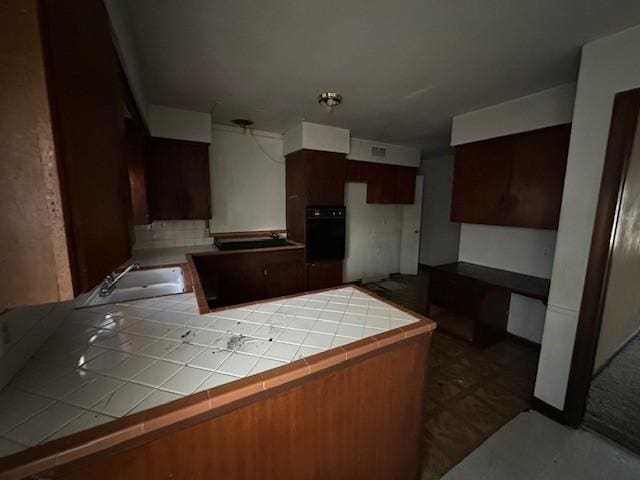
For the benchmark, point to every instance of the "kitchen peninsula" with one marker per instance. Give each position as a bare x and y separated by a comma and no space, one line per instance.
260,388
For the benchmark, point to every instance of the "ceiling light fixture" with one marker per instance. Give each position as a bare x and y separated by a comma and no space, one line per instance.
329,100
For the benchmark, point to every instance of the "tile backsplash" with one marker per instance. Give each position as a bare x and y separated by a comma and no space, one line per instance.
172,233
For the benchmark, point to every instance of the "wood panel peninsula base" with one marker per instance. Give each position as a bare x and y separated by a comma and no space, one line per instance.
350,412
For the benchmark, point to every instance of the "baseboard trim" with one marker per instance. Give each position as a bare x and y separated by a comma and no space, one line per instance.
615,354
549,411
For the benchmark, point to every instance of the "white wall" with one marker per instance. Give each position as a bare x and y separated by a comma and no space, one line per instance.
396,154
373,236
374,231
248,187
608,66
166,122
522,250
542,109
126,49
439,236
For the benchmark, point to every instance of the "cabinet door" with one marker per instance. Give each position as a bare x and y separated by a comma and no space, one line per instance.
406,185
239,277
135,149
178,179
324,275
537,178
285,278
481,181
356,171
381,183
325,177
85,89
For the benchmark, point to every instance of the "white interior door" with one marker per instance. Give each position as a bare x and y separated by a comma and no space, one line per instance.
410,237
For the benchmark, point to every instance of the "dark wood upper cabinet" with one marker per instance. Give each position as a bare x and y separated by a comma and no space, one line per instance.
405,185
481,181
385,183
178,179
537,178
312,178
65,151
381,184
516,180
86,98
136,140
325,177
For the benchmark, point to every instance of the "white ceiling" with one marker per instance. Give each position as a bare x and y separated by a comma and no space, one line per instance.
404,67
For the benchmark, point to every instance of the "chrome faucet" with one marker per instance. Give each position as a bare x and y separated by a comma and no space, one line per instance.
109,283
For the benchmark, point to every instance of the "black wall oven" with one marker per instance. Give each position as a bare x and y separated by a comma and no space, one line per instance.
325,233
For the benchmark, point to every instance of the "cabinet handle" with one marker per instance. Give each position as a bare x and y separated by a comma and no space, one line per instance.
265,272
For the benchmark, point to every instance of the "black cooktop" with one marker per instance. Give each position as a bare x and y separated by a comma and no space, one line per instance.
250,242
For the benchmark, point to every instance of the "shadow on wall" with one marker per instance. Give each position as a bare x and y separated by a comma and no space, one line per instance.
439,237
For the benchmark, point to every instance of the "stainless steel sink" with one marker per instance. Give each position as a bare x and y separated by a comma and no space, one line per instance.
138,284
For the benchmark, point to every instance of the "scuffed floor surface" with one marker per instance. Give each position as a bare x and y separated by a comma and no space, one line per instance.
533,447
471,393
613,407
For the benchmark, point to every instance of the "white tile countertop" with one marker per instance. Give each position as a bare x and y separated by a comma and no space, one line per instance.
113,360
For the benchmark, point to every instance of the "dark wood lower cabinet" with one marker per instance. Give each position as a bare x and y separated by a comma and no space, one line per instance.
230,278
324,275
285,277
516,180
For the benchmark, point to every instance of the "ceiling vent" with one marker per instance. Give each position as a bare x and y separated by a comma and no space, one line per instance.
378,152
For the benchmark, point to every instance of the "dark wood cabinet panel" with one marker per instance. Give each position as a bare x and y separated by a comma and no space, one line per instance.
296,195
135,140
405,185
233,277
324,275
356,171
385,183
178,180
537,178
326,174
285,278
381,183
516,180
312,178
481,181
85,92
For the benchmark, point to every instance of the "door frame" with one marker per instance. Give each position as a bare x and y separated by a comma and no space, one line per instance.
417,203
621,136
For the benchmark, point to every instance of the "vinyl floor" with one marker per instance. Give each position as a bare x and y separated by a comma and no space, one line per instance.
471,393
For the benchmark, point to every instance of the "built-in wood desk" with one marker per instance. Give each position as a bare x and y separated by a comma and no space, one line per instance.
472,301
